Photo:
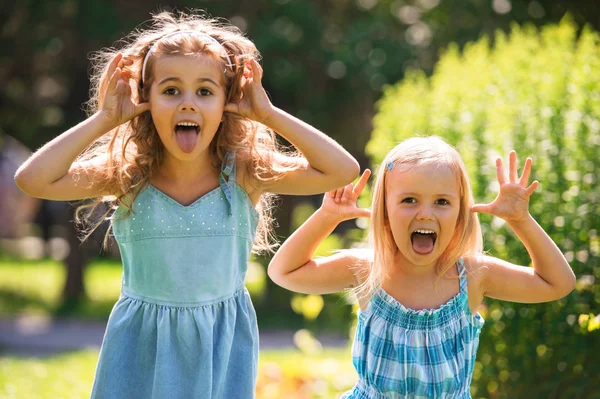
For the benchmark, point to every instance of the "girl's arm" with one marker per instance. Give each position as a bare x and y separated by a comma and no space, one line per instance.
293,266
551,277
329,165
52,173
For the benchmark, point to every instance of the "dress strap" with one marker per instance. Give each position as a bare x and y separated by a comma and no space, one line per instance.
462,274
227,178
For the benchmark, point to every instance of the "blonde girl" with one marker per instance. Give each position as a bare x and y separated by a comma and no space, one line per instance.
422,280
181,143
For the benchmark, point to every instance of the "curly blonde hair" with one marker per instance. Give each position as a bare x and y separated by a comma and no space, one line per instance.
467,238
133,152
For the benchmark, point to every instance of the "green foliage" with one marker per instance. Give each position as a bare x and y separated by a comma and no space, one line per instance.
536,91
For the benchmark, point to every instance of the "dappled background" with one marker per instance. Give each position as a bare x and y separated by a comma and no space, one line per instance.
487,75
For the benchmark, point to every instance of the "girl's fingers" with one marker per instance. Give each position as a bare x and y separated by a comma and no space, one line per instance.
232,107
338,194
512,167
364,213
114,79
125,74
141,108
500,171
260,69
483,208
256,70
347,193
114,63
532,187
362,182
526,172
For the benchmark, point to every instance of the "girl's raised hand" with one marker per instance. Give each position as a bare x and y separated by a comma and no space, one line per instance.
341,203
117,106
512,202
255,103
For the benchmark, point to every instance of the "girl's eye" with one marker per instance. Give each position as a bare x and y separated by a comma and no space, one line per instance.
171,91
442,201
204,92
409,200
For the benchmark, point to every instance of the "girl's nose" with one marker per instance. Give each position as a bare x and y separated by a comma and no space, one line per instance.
425,213
187,105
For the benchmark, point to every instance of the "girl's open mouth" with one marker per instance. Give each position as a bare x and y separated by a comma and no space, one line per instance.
187,135
423,241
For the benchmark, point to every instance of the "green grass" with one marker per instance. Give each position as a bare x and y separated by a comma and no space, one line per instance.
35,287
282,373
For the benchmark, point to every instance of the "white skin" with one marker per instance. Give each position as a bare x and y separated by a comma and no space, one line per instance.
412,277
52,172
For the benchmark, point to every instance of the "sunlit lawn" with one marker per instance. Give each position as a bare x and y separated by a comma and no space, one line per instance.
34,287
282,374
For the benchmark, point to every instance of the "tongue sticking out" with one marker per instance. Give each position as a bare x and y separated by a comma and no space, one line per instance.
186,138
422,243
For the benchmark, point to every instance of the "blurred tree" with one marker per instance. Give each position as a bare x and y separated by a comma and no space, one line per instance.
535,91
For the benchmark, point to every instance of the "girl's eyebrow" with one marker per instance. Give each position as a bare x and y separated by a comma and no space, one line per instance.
176,79
404,194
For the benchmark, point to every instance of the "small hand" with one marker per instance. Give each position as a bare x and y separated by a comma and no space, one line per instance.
512,202
117,104
341,203
255,103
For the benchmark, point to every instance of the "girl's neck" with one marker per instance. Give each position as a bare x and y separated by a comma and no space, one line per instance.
404,267
179,172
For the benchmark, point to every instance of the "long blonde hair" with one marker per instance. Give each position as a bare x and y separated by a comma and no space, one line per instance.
467,238
132,152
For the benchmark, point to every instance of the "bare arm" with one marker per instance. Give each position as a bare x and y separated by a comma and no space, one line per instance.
551,277
329,165
52,173
293,266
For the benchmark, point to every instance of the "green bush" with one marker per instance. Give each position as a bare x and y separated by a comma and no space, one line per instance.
538,92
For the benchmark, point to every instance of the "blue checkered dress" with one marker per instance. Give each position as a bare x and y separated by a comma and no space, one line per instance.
425,354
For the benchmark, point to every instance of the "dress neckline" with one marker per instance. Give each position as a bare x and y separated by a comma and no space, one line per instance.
179,204
205,197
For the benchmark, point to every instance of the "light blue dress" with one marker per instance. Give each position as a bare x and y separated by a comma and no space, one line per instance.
184,326
403,353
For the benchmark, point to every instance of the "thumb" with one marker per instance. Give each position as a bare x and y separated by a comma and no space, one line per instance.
141,108
485,208
363,212
232,107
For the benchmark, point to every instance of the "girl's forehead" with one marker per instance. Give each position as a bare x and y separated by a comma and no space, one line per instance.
422,178
188,68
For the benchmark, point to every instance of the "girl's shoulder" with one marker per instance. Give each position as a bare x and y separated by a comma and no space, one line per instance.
359,261
245,178
476,271
477,265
